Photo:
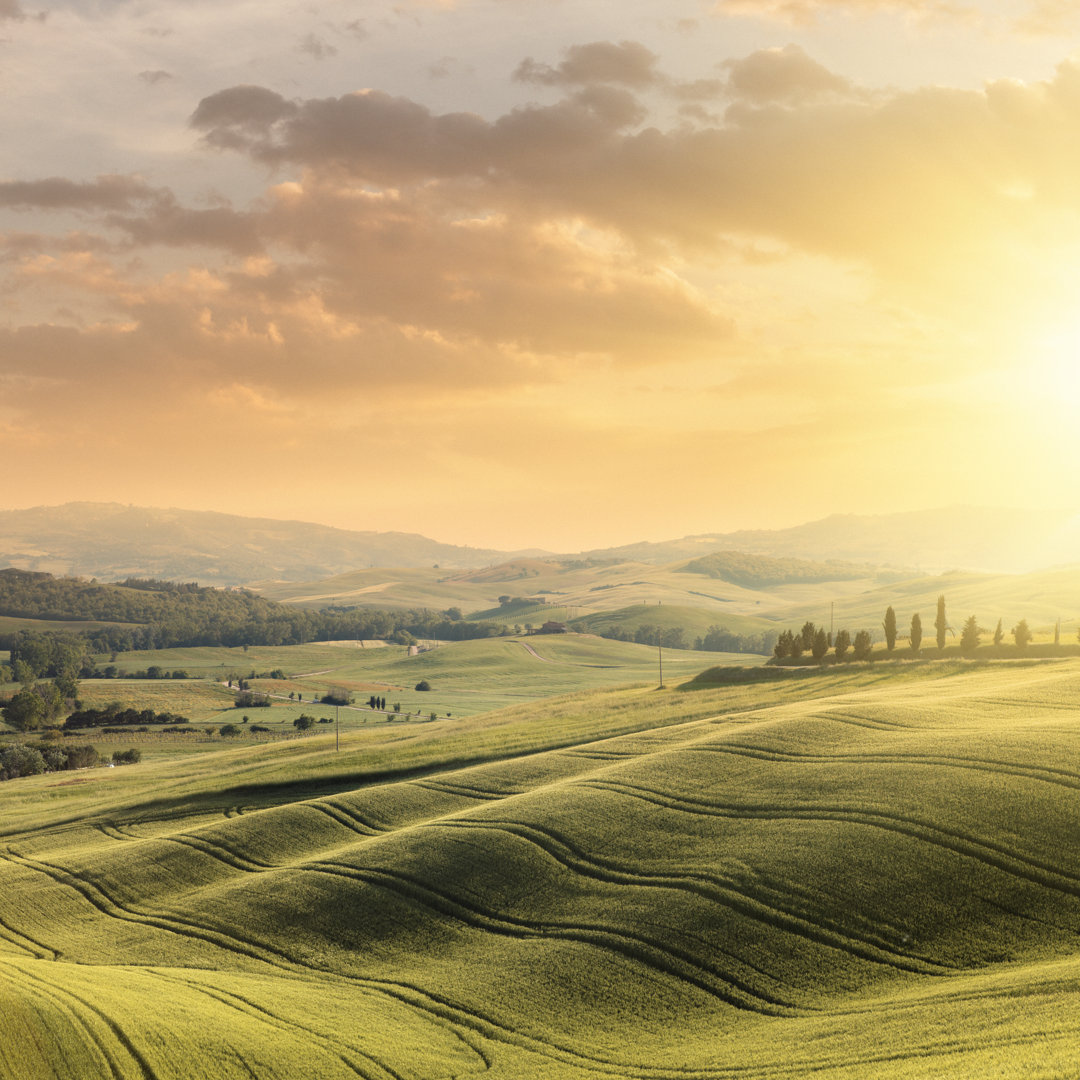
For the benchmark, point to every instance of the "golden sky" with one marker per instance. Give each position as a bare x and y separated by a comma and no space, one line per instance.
557,273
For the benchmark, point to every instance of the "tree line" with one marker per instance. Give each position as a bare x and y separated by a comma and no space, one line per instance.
815,642
165,615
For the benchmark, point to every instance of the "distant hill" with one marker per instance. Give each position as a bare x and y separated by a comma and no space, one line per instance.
763,571
933,541
111,541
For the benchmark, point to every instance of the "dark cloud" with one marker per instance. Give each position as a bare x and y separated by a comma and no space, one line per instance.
248,109
782,75
627,63
316,47
171,225
799,157
58,193
154,77
11,9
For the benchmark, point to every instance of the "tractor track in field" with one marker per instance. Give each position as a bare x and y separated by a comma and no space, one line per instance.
1000,857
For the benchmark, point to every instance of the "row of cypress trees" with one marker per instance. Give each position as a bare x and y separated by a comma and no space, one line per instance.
817,642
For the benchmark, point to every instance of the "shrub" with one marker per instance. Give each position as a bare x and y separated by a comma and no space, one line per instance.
336,697
18,760
230,729
127,757
249,699
423,684
303,722
257,727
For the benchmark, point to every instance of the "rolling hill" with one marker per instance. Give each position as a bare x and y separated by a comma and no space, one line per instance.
112,541
857,874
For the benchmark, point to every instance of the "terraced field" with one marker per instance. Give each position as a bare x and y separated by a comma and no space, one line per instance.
853,874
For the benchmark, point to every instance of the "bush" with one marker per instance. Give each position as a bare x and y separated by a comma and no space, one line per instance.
336,697
250,699
230,729
17,760
127,757
423,684
303,722
257,727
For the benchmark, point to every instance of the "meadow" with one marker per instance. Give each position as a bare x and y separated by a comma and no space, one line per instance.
466,677
867,872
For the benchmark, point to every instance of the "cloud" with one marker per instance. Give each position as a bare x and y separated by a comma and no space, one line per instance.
154,77
628,63
11,9
807,11
404,259
58,193
782,75
911,183
1049,17
315,47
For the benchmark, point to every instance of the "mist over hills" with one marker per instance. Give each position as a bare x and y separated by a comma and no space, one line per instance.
113,541
989,539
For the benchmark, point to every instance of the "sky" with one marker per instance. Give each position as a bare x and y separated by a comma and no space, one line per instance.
540,273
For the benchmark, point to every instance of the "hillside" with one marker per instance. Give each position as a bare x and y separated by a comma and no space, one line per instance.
108,540
835,876
933,541
111,541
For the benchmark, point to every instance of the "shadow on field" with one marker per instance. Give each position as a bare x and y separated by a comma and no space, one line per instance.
713,677
245,798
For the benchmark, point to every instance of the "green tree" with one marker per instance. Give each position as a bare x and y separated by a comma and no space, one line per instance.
806,636
782,647
941,624
820,645
1021,634
17,760
915,636
889,626
67,686
302,723
999,634
969,636
862,646
25,711
842,643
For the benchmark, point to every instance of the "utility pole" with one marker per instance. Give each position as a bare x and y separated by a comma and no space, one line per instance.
660,654
337,728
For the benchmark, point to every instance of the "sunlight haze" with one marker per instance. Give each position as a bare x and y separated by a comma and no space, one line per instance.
515,274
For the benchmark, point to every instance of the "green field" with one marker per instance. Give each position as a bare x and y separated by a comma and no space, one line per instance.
864,873
466,677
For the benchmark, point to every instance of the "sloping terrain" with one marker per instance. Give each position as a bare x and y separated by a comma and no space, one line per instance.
863,874
112,541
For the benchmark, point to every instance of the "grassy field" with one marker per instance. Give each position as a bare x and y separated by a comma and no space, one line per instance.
466,677
867,873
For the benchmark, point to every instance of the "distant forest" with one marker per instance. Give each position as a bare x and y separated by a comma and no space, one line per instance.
164,615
